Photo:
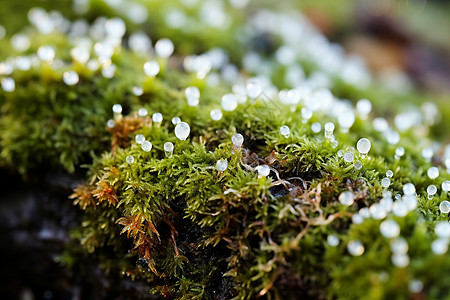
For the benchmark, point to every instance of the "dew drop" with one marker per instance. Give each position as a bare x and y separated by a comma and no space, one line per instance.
192,94
400,260
389,173
442,229
389,229
129,159
263,170
444,207
176,120
409,189
216,114
182,130
433,173
346,198
431,190
285,131
8,84
332,240
363,146
237,140
349,156
164,48
151,68
117,108
157,117
399,246
316,127
439,246
140,138
229,102
70,78
142,112
146,146
222,165
355,248
385,182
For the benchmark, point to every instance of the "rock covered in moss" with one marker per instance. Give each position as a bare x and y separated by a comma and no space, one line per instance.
214,183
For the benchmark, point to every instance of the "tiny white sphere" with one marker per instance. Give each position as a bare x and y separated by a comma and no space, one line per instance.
357,219
216,114
364,212
410,201
117,108
254,89
332,240
446,186
222,165
358,165
346,119
329,126
433,173
380,124
439,246
355,248
70,78
346,198
389,173
399,246
8,84
164,48
285,131
229,102
137,91
349,156
306,113
146,146
157,117
109,70
378,211
431,189
400,151
142,112
415,286
399,209
46,53
182,130
168,147
444,207
263,170
389,229
140,138
409,189
192,94
316,127
237,140
363,107
129,159
385,182
151,68
442,229
363,146
80,54
110,123
392,137
176,120
340,153
400,260
428,153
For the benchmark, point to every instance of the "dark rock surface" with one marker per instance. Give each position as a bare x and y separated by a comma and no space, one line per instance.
35,223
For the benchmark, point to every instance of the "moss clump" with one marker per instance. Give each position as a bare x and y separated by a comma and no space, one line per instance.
191,231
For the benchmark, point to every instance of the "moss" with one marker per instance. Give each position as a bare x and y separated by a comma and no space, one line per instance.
192,231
